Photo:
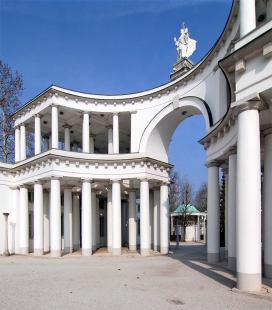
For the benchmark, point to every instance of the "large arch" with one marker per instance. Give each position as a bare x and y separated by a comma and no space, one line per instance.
157,135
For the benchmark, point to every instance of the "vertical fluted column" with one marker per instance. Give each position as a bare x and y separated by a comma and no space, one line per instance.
247,15
116,217
24,220
248,197
37,134
110,139
68,220
132,221
94,219
156,219
85,133
213,224
115,124
267,202
55,128
67,142
164,219
144,217
76,222
23,142
232,208
109,218
91,143
17,144
151,219
38,219
46,223
55,218
86,218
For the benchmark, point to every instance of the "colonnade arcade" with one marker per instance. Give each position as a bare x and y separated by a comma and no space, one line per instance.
81,210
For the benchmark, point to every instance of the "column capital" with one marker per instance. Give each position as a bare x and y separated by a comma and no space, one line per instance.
67,186
165,183
55,177
46,136
86,180
85,112
267,132
13,187
213,163
37,115
225,168
22,125
249,105
144,179
232,150
92,135
109,127
41,182
116,180
53,105
24,186
67,126
17,127
116,113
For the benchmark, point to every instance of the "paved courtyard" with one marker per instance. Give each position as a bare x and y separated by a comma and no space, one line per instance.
180,280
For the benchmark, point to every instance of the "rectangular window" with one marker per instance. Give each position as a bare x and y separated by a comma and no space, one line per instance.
102,226
138,227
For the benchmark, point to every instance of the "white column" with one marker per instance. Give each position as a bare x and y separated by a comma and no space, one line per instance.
37,134
91,143
45,143
109,219
50,141
86,218
115,123
248,198
97,223
24,221
132,223
116,217
76,222
267,202
232,208
75,146
94,220
110,139
38,219
55,218
156,220
17,144
55,128
213,223
164,219
247,15
23,141
67,141
151,220
198,228
226,172
144,218
68,220
85,133
124,222
46,223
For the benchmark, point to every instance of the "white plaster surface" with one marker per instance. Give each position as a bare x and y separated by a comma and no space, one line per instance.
182,280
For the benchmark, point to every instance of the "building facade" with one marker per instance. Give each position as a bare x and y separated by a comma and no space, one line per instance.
96,154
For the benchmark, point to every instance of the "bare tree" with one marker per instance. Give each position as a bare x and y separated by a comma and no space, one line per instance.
174,190
11,87
201,197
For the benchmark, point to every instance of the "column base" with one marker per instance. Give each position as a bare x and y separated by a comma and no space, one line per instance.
145,252
249,282
268,271
116,251
38,252
87,252
76,247
232,263
24,250
156,248
213,258
109,249
68,249
55,253
164,250
6,253
132,247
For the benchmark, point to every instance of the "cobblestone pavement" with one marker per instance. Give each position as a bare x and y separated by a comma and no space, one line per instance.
180,280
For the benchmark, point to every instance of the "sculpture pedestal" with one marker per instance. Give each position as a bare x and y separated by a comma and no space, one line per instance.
183,65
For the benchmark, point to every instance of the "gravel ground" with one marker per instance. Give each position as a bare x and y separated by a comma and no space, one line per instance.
180,280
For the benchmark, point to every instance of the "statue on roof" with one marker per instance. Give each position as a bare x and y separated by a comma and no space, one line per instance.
185,45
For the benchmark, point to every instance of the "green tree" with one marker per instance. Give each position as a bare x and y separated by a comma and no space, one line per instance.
11,87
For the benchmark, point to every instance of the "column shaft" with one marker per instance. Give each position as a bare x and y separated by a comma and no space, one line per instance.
97,224
67,141
132,221
144,218
55,219
116,217
115,122
37,134
91,142
23,142
110,140
55,128
76,222
164,220
94,220
86,218
24,221
85,133
68,221
17,144
46,223
109,220
124,222
226,213
156,220
38,220
247,15
45,143
151,219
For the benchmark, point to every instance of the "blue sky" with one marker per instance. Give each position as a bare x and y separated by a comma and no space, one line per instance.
111,47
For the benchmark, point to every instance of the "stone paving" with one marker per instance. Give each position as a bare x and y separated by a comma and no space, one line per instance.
180,280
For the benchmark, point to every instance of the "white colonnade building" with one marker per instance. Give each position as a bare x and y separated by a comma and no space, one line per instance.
96,154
